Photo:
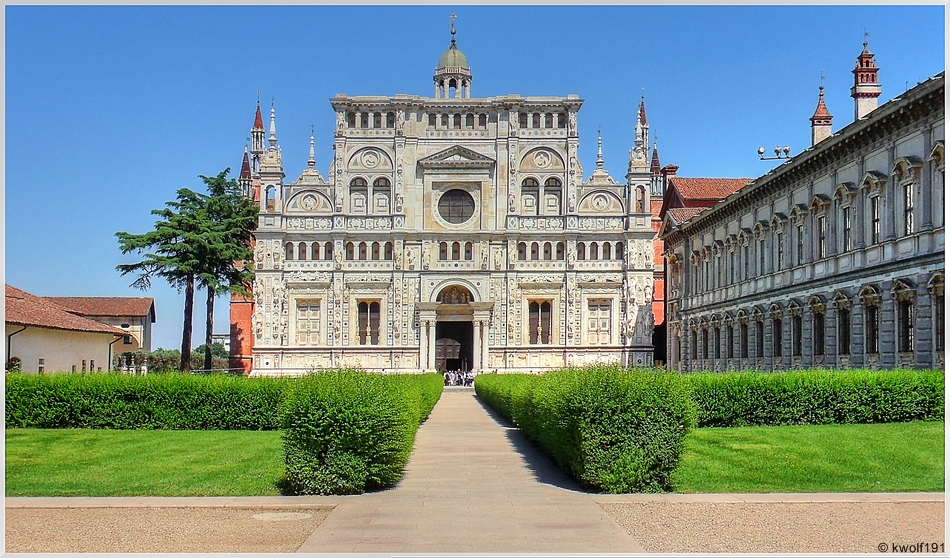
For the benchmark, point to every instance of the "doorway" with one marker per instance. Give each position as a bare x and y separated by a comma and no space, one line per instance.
453,346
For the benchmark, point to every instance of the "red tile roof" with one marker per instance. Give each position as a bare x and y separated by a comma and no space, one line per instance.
683,214
708,188
25,309
116,306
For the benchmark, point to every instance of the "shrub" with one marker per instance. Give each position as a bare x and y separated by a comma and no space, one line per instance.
612,430
817,397
498,390
348,431
164,401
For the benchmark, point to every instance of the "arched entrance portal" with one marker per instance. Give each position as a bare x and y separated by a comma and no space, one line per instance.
454,346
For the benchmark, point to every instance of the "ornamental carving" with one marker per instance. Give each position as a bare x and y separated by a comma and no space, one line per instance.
309,276
600,278
541,278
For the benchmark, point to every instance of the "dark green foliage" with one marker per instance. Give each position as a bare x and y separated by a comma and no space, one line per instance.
612,430
349,431
162,401
817,397
199,237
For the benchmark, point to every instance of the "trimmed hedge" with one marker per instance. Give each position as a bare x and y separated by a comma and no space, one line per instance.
349,431
161,401
817,397
497,390
612,430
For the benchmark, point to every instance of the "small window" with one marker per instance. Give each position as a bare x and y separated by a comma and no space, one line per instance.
819,333
844,331
744,341
760,339
127,340
796,336
42,366
777,337
871,328
905,326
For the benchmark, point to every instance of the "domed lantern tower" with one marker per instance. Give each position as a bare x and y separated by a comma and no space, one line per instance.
453,77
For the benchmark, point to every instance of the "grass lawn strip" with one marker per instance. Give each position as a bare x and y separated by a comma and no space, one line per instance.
892,457
85,462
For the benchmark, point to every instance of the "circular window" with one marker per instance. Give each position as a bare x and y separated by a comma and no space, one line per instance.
456,206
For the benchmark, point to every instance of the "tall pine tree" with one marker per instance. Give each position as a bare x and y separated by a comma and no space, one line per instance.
200,237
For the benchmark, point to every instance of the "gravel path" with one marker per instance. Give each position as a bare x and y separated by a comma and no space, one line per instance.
779,526
162,529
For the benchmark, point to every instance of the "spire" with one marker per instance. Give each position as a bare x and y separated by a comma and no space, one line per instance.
640,153
246,166
258,121
311,162
821,120
272,138
655,163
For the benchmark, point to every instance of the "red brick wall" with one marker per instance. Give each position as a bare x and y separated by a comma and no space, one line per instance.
242,338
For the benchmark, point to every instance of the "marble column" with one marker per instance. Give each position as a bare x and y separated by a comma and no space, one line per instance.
423,345
430,362
477,345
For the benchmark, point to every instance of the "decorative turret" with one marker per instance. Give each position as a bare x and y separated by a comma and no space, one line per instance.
271,170
257,140
657,189
310,176
639,153
821,120
272,138
453,77
866,89
245,178
600,175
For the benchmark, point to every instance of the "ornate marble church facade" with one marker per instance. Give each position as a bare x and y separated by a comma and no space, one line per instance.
451,232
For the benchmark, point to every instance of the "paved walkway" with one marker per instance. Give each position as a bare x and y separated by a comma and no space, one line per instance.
473,484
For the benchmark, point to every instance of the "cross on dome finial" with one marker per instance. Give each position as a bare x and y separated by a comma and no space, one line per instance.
452,19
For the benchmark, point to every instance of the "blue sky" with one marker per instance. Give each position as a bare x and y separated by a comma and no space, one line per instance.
109,110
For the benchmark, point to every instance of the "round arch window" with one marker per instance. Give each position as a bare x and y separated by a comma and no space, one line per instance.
456,206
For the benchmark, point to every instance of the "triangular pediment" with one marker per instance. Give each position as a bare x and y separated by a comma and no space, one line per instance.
456,157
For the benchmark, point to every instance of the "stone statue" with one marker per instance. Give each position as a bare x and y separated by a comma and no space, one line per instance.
426,259
338,258
411,259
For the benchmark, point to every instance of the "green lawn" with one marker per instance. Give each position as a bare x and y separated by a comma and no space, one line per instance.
80,462
894,457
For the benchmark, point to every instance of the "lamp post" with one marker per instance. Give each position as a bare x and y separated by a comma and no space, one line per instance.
780,153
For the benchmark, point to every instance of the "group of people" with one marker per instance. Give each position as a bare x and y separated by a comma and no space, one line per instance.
458,378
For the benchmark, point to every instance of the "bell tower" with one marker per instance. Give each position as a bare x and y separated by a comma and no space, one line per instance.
866,89
453,77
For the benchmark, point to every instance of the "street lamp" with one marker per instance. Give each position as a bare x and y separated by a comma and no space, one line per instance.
780,153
